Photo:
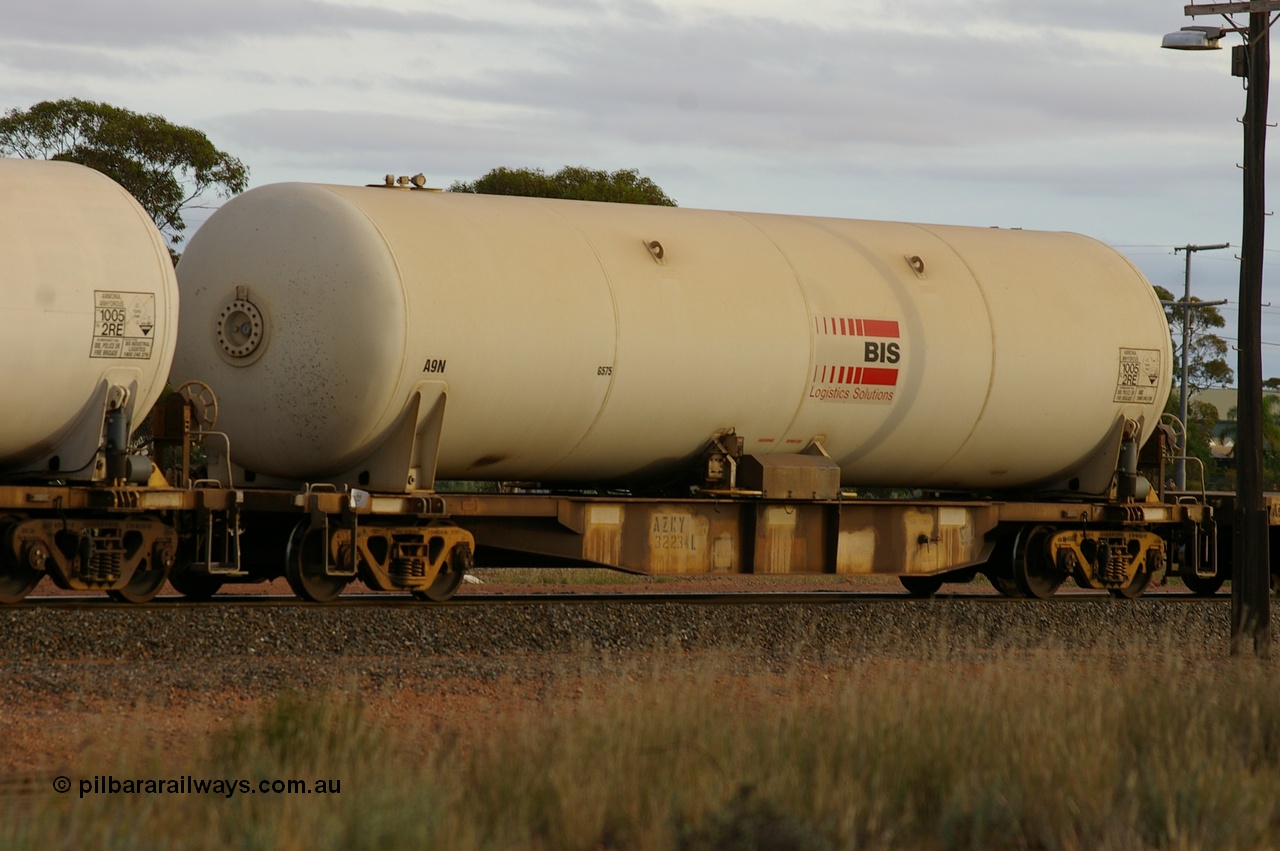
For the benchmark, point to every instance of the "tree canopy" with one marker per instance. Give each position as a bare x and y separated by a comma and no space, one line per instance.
1270,444
1206,367
1206,352
624,186
168,168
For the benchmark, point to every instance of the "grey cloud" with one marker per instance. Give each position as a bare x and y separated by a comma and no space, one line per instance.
742,83
1055,112
58,61
357,140
935,105
1143,16
148,23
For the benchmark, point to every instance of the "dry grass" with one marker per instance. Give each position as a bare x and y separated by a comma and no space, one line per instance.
726,751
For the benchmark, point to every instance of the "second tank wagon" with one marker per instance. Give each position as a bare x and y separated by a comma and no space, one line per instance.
382,338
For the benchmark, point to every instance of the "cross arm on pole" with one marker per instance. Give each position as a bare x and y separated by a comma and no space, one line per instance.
1178,248
1265,6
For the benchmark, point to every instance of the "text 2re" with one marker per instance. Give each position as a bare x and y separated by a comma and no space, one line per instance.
111,320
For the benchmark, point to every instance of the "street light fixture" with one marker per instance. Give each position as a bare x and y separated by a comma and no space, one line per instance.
1251,569
1194,38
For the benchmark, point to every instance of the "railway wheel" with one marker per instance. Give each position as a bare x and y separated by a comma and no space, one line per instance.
143,586
16,582
16,579
921,587
1134,589
195,586
18,576
1006,586
1203,586
1034,572
149,575
998,568
304,566
450,576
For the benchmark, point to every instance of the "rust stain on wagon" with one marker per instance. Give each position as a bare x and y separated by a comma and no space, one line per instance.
779,537
602,535
856,551
938,538
893,539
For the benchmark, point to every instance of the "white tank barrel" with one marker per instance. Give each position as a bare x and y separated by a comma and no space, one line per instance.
89,316
532,339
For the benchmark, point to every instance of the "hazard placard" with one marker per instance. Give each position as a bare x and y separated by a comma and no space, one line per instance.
123,325
1139,376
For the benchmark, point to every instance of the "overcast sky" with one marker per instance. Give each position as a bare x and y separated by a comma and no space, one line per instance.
1059,116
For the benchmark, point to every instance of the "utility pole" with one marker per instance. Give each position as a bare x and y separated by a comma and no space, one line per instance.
1251,580
1180,466
1251,575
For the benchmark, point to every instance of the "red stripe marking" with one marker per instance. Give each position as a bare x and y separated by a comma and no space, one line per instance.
881,377
879,327
856,378
848,327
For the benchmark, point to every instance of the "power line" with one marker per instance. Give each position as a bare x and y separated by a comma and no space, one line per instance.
1236,340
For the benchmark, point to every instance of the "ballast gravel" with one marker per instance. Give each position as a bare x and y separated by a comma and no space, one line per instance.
194,633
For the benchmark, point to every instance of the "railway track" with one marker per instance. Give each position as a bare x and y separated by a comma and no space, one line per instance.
357,601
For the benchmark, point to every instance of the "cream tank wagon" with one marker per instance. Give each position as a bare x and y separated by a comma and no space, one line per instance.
382,337
365,342
89,317
88,325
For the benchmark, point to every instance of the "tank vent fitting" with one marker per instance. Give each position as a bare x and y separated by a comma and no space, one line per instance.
418,181
917,264
240,328
656,249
